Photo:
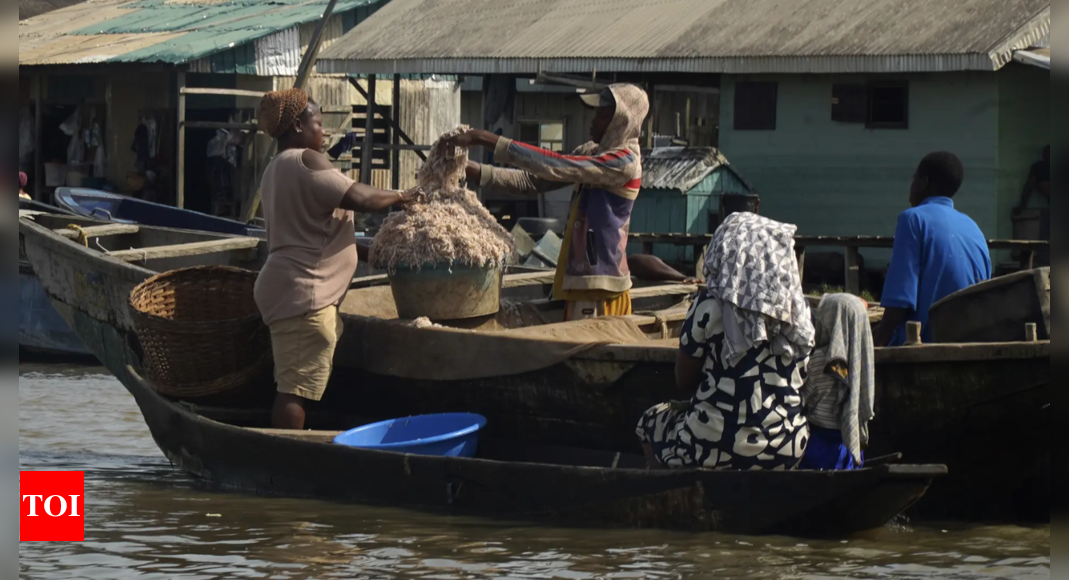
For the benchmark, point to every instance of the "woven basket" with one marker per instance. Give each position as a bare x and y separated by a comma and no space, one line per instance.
200,331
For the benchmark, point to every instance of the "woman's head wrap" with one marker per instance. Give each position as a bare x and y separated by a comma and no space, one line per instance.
23,179
279,111
752,269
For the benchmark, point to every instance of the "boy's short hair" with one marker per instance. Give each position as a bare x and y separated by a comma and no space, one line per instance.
944,171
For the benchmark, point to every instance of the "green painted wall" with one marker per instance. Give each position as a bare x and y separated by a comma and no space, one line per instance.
1024,129
843,179
660,211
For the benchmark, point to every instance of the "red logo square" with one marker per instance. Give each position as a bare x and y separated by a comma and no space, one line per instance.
53,506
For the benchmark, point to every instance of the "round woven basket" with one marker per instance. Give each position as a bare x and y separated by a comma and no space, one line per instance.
200,331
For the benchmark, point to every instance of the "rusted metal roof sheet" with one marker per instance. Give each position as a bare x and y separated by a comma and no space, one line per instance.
679,168
695,36
222,36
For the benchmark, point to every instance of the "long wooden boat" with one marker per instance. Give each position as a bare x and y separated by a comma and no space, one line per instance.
527,482
42,331
540,381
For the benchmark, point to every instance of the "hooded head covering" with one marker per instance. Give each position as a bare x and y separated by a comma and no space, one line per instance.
844,331
752,269
279,110
632,106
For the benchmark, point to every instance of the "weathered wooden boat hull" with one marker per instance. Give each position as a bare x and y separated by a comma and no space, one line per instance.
995,311
307,465
975,408
41,329
929,397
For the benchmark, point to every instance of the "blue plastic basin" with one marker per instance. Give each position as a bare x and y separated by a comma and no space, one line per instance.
447,435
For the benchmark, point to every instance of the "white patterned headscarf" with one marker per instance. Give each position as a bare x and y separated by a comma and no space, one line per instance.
752,269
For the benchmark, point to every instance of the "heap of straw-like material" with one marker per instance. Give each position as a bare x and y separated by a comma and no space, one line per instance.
450,227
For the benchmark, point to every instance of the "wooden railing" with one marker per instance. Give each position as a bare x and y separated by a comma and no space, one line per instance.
851,245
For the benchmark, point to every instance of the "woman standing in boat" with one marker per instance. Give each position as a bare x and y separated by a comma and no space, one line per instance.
743,352
593,275
308,206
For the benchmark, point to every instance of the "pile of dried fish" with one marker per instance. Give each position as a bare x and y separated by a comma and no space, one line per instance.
449,226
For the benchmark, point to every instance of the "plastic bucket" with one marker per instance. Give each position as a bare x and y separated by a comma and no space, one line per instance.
446,292
447,435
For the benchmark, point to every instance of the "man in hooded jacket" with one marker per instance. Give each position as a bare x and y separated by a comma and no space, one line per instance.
592,275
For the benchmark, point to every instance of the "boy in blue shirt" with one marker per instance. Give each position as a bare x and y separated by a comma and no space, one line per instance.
938,250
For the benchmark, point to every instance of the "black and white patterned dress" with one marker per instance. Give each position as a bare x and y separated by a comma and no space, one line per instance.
746,417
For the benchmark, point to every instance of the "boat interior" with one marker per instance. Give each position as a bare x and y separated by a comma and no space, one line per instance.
157,249
490,448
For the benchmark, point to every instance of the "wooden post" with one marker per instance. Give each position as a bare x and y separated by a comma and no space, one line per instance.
308,63
913,334
650,120
853,271
1031,332
396,127
180,169
800,253
369,134
395,160
39,123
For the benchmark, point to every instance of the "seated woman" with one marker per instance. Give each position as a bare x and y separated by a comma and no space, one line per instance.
743,352
840,390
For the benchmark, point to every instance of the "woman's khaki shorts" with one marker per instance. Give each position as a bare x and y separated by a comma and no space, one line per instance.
304,352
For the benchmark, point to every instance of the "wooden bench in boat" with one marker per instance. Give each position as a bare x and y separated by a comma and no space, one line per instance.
185,250
98,231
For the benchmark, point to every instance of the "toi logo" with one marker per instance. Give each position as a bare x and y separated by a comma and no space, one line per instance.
53,505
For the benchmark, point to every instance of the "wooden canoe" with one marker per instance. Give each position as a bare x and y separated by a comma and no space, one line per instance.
526,482
975,407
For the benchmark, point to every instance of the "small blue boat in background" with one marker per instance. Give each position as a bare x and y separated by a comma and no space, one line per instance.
447,435
110,207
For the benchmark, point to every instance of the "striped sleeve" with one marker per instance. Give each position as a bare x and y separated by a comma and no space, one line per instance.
619,169
515,182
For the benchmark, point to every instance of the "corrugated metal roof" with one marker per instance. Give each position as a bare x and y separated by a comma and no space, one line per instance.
710,36
681,168
233,36
31,8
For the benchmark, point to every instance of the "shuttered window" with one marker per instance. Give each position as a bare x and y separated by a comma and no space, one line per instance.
883,105
850,104
755,106
888,106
